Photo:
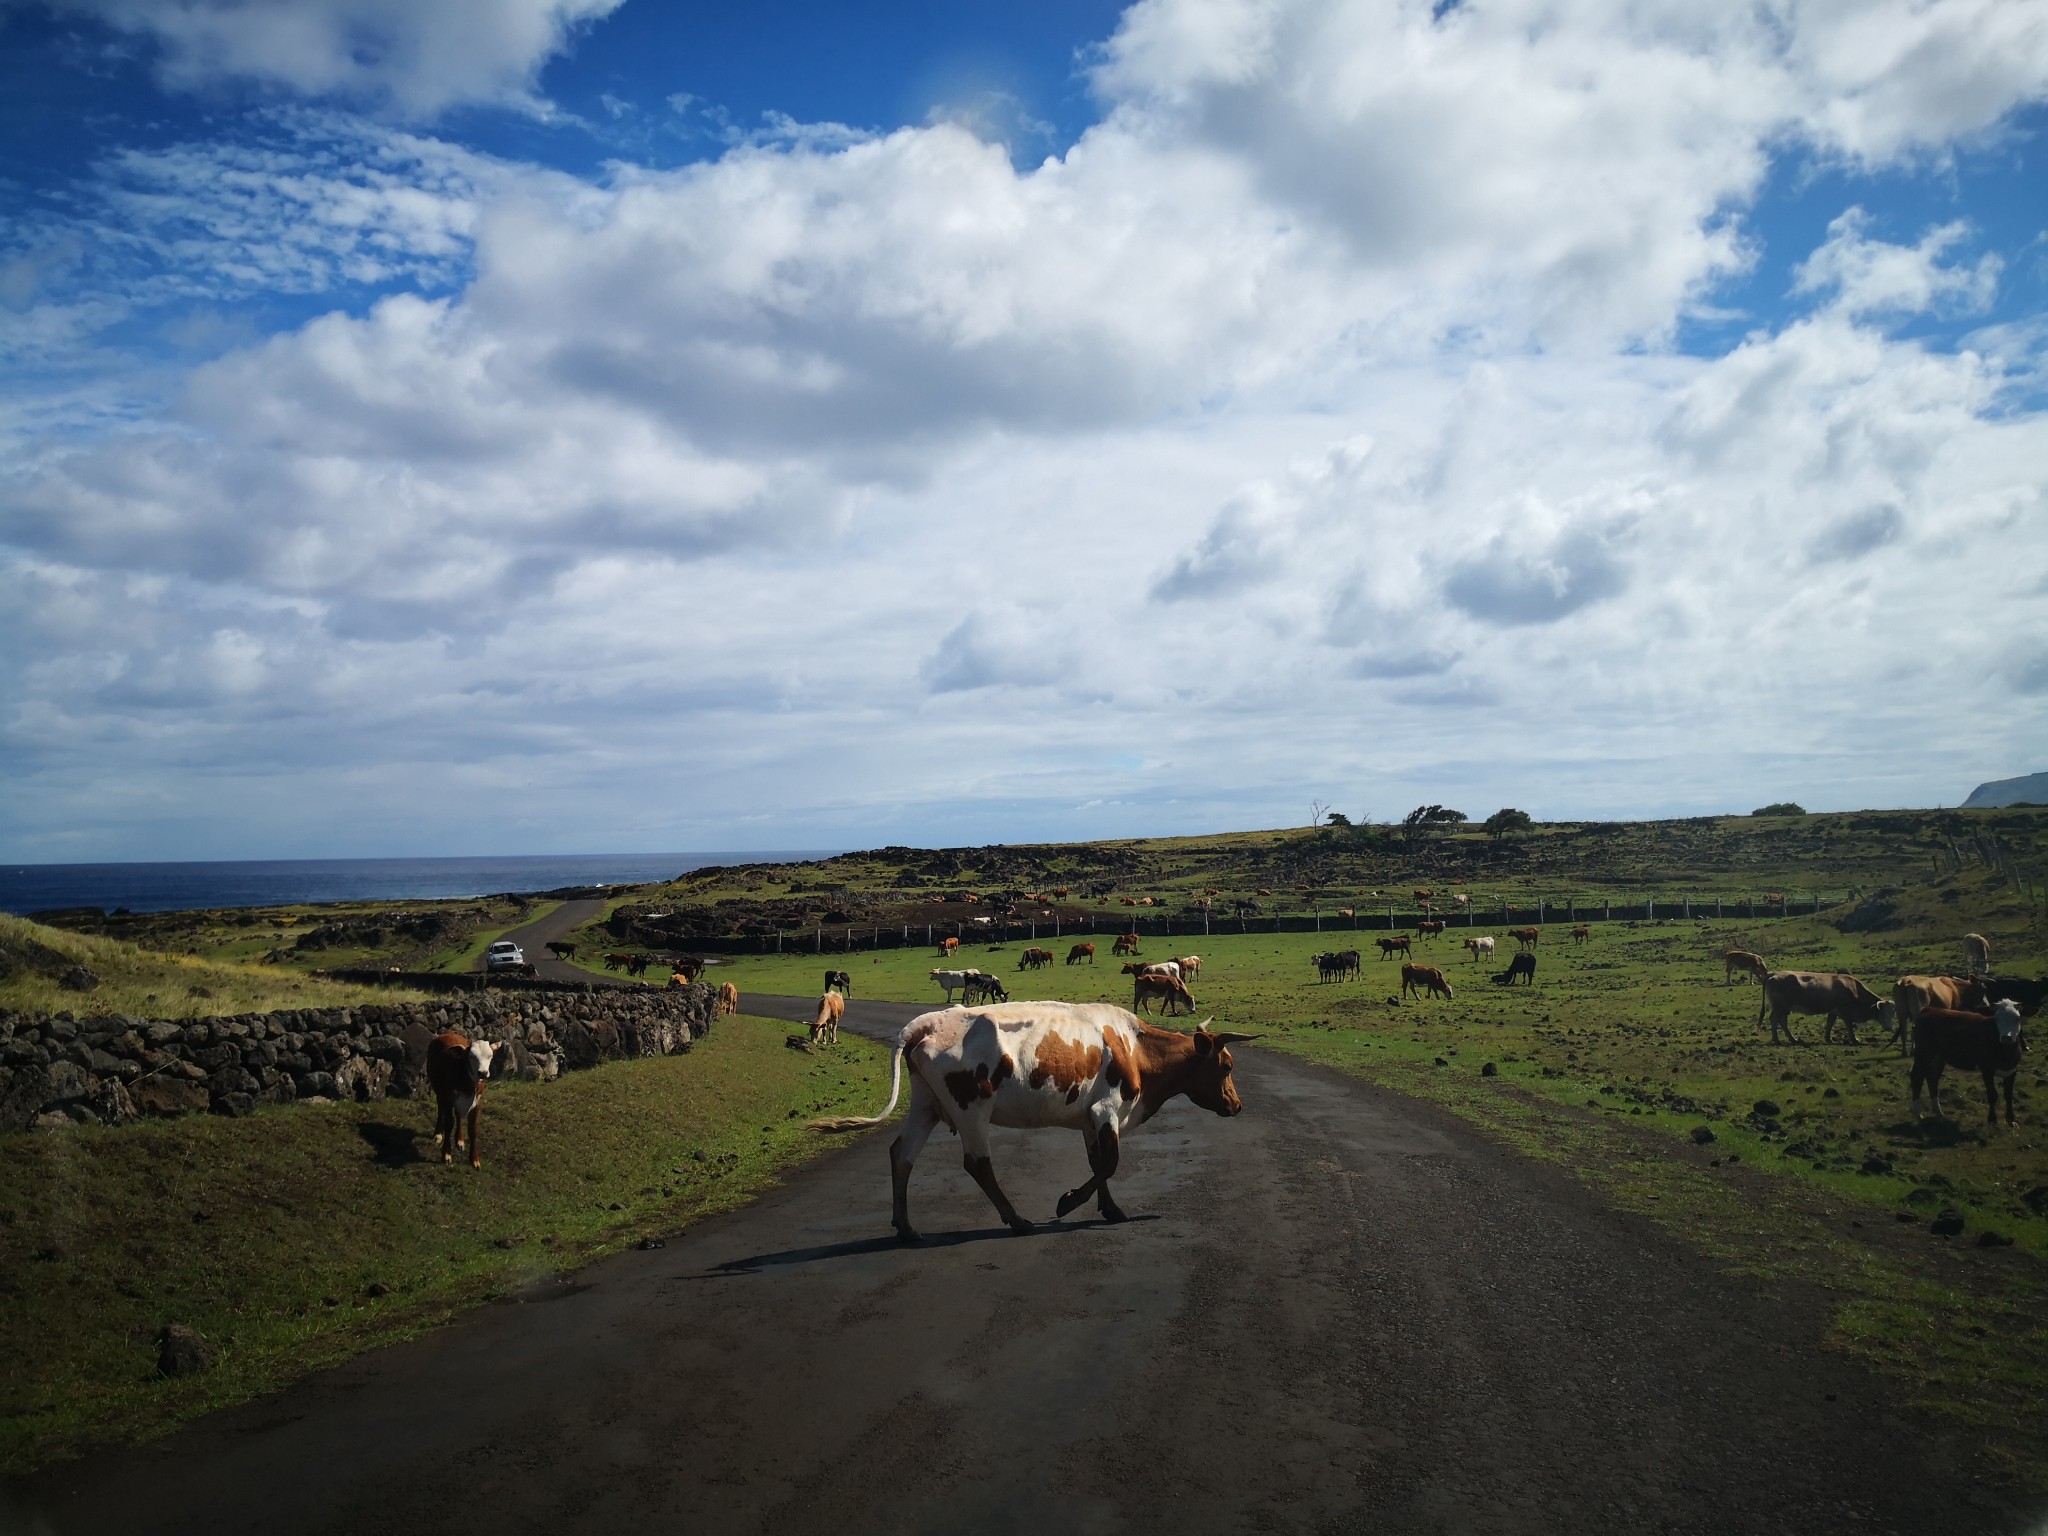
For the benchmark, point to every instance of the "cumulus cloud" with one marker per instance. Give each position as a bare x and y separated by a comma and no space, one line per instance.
418,59
1325,378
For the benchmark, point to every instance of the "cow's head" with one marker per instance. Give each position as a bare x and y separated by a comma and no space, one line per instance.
2005,1018
478,1060
1210,1085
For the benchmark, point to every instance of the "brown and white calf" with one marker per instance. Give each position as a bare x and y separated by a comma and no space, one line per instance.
1087,1067
825,1026
456,1070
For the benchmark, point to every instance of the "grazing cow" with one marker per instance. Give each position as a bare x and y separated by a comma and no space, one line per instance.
1081,952
1987,1043
1977,954
1088,1067
1190,966
1425,895
1914,995
456,1070
1398,945
1423,981
1744,963
1170,989
825,1026
560,950
614,962
1152,968
953,980
1430,927
1523,965
949,947
1582,933
689,970
1526,937
1032,959
728,998
840,982
1483,945
983,988
1833,993
1126,944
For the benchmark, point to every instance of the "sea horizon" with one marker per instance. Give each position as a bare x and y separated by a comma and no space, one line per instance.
206,884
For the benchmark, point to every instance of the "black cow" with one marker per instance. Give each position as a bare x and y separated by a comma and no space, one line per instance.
983,988
560,950
840,982
2028,991
1523,965
1989,1043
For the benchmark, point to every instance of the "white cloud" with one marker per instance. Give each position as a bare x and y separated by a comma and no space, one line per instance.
417,58
1320,383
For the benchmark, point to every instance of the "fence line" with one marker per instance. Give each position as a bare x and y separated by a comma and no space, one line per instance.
855,937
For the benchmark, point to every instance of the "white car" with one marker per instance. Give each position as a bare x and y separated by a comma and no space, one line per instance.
504,956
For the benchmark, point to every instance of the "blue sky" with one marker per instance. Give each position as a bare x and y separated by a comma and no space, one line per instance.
524,425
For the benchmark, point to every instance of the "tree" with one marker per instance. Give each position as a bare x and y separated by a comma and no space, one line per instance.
1507,820
1315,812
1427,818
1336,819
1780,808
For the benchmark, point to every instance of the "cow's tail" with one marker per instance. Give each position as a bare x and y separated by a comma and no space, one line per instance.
862,1122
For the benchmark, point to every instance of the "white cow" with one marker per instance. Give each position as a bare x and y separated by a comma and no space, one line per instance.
954,981
1087,1067
1481,946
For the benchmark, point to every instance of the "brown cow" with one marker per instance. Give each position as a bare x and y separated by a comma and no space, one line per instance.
1526,937
689,970
1834,993
1423,980
1147,985
1126,944
728,998
456,1071
1977,953
1744,963
1394,946
1581,933
1988,1042
949,946
1081,952
1033,958
1914,995
1425,895
1430,927
614,962
825,1027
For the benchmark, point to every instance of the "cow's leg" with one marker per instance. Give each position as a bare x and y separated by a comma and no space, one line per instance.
973,1130
476,1154
1919,1081
1103,1156
2008,1101
444,1127
918,1122
1991,1097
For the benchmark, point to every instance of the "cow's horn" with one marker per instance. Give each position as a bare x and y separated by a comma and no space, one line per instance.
1228,1038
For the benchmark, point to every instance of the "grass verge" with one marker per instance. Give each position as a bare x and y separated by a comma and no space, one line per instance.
307,1234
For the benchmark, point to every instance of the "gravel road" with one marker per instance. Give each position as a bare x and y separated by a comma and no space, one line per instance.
1341,1311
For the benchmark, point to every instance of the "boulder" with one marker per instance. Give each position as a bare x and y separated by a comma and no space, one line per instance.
78,979
110,1103
180,1351
165,1095
67,1081
363,1078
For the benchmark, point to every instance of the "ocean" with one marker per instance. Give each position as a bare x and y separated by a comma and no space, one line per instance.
28,888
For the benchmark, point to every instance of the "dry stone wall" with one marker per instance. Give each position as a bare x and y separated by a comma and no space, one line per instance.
113,1068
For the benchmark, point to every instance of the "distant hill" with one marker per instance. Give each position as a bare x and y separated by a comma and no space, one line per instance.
2032,789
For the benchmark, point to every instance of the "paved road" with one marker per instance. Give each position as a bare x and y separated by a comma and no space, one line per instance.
532,939
1341,1311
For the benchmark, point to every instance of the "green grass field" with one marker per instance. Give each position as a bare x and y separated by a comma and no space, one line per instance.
307,1234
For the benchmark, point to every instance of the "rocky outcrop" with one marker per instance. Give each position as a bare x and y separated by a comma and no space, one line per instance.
109,1069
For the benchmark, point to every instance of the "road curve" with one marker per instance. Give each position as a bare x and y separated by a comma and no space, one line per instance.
1341,1311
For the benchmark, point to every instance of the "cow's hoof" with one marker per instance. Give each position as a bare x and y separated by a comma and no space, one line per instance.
1020,1226
1112,1214
908,1235
1069,1203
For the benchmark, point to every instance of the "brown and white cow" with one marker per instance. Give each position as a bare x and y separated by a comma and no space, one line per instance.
1483,945
457,1068
949,946
1977,953
1147,986
1833,993
1424,981
825,1026
1087,1067
1190,966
